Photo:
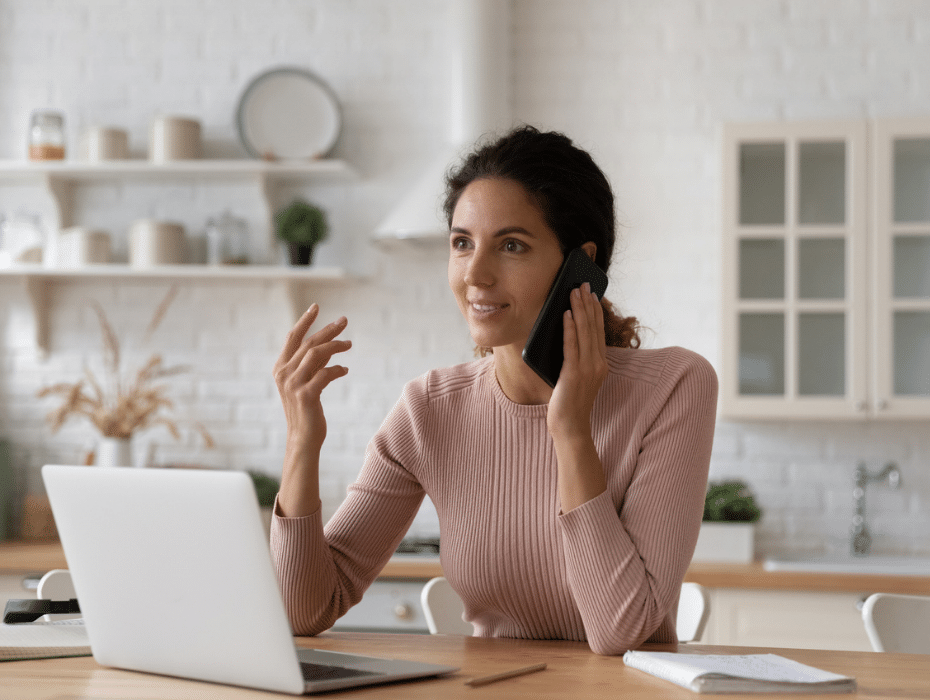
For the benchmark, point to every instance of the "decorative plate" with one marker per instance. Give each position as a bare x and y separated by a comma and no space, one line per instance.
288,114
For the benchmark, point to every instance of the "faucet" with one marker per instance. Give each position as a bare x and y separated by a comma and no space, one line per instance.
860,540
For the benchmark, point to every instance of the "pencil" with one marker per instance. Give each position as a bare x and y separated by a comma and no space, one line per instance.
484,680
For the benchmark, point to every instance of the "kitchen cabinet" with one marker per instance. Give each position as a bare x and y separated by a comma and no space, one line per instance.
781,618
389,605
826,270
57,180
901,250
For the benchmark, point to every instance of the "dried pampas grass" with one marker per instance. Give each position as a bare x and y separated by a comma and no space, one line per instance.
119,408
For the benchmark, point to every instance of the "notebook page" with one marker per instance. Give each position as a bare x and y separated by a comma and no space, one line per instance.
66,633
684,668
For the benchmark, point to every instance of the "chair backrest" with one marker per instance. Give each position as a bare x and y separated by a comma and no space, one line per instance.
56,585
443,608
898,623
693,611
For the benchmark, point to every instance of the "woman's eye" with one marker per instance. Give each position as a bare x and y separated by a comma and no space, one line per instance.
513,246
459,243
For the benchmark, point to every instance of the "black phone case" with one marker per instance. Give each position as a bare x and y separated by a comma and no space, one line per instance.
543,350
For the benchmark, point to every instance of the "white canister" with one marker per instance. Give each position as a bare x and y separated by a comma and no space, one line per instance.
154,242
175,138
80,245
105,143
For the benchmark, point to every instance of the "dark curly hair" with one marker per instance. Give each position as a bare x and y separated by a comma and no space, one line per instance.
569,189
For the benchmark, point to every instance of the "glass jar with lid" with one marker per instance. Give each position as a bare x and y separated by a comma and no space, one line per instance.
47,135
227,240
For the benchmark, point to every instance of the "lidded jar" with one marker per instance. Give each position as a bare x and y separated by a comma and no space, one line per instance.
47,135
227,240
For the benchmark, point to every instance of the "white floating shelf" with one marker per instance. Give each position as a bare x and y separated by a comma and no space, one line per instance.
324,169
196,272
36,280
58,179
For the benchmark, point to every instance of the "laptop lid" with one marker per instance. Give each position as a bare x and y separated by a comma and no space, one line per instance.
173,574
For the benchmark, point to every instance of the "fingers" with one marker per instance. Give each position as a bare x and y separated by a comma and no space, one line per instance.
584,368
588,322
597,325
303,359
324,376
328,332
316,358
296,343
569,338
296,335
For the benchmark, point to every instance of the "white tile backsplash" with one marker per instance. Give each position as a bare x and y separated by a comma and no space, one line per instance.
644,85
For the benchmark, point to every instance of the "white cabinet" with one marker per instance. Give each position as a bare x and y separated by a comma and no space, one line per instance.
790,619
900,337
826,271
389,605
267,181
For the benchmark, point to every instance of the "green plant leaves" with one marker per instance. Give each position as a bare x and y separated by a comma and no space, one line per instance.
301,222
730,501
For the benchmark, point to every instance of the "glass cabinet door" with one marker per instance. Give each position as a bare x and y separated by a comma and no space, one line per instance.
902,294
794,248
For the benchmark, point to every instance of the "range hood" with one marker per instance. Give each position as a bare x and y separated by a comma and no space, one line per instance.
478,34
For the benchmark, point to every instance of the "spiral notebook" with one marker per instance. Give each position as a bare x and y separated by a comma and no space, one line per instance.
738,673
43,640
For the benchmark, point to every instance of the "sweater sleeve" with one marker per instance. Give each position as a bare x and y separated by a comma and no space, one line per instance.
625,565
323,571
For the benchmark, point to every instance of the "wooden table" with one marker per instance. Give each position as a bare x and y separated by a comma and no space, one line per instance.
573,672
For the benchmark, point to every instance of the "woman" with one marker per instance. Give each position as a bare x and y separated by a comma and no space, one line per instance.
565,513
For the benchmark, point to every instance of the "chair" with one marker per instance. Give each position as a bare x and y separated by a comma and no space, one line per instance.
693,611
443,610
897,623
56,585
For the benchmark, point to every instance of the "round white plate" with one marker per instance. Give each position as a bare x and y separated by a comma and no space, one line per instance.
288,114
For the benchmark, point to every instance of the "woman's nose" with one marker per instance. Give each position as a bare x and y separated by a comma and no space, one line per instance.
479,272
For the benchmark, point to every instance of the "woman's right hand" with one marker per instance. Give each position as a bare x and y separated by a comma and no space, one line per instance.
301,373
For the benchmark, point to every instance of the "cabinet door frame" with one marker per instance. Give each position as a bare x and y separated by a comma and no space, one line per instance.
884,305
854,403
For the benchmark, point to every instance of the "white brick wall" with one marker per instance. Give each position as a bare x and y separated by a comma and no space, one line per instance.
644,85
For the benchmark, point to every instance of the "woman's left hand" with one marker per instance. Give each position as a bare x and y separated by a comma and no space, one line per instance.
584,367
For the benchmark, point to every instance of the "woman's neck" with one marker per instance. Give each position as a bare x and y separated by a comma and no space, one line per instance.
519,383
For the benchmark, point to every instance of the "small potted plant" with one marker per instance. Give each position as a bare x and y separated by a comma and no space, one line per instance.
302,226
266,489
728,526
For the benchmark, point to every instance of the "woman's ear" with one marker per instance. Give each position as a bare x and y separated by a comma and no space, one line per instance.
590,248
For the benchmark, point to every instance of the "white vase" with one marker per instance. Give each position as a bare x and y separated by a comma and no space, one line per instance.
725,542
113,452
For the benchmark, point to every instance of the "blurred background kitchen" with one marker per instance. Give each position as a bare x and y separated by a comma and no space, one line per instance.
645,86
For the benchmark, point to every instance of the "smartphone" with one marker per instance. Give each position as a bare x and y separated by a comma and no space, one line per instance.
543,350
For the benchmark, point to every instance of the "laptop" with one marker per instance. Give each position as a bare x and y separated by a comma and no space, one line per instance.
174,576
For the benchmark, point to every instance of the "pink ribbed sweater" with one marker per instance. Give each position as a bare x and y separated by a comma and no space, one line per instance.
608,572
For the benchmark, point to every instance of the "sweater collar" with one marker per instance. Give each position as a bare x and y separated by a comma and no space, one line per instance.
489,379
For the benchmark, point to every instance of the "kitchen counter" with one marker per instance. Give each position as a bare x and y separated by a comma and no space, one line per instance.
31,557
23,557
39,557
754,576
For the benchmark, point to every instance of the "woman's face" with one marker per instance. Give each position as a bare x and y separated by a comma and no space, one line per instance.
502,260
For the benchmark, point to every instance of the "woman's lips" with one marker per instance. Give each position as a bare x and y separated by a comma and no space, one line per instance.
484,310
